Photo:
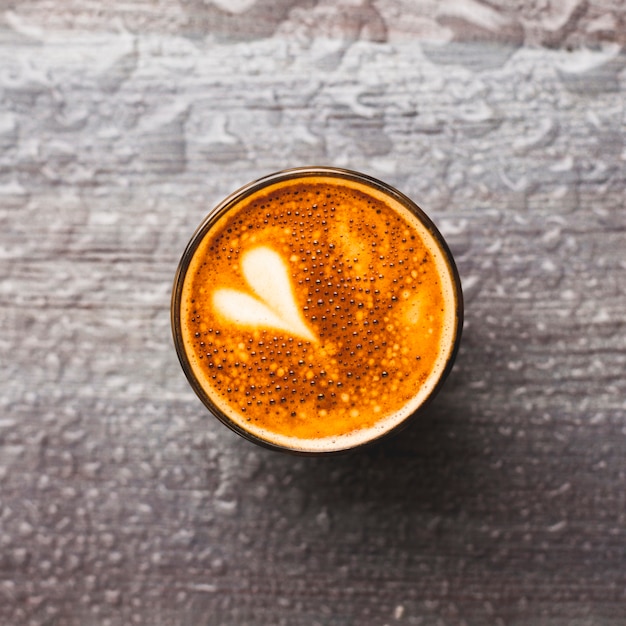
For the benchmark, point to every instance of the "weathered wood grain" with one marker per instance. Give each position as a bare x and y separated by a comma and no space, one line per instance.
123,502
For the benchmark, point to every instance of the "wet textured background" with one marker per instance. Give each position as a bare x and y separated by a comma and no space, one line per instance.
122,501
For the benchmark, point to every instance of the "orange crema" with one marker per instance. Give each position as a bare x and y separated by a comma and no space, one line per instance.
318,311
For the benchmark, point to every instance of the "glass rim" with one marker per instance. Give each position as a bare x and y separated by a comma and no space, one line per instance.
234,199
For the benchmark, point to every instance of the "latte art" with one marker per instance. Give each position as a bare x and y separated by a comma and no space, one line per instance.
316,312
274,307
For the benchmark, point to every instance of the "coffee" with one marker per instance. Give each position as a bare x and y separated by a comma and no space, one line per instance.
316,310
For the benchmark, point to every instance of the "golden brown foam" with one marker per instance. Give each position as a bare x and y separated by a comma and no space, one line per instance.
373,295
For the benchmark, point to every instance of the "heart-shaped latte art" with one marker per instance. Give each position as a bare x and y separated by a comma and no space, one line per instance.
274,305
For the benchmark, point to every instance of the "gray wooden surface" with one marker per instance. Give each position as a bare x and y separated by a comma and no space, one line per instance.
123,502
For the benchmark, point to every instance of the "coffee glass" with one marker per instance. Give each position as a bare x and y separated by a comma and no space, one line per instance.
316,310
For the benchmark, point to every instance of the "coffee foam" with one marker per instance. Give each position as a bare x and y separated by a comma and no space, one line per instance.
275,306
274,350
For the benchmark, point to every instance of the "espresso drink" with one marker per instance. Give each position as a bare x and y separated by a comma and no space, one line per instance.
316,310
